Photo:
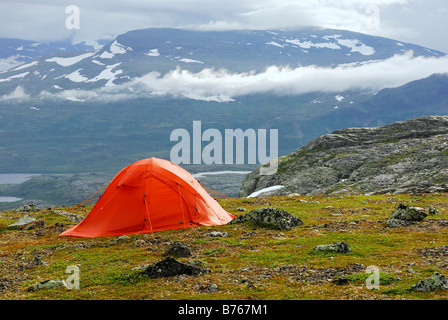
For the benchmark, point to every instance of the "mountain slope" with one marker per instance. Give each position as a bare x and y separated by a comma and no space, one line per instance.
403,157
136,53
15,52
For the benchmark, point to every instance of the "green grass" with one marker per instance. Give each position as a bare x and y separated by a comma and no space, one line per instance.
281,264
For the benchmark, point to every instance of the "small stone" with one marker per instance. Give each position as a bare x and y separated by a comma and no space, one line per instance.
432,210
48,284
216,234
213,288
340,247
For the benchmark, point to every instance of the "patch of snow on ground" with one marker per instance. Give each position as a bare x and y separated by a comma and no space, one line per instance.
257,193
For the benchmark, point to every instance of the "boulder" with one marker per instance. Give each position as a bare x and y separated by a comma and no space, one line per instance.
407,213
434,282
22,222
270,218
171,267
179,250
339,247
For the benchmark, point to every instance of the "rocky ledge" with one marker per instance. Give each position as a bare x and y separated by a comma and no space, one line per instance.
403,157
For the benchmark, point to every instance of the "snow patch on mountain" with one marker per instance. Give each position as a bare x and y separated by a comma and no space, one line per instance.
26,65
16,76
115,48
190,61
309,44
75,76
153,53
107,74
65,62
357,46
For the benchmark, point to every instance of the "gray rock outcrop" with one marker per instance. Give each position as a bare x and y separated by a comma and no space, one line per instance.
403,157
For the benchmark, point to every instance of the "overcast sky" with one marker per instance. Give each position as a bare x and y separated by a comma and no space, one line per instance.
423,22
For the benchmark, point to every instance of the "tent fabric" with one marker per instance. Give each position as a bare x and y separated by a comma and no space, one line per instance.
147,196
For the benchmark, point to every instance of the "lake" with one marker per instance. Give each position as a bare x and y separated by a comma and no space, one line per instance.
15,178
9,199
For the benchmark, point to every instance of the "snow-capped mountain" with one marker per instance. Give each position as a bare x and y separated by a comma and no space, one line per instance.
136,53
15,52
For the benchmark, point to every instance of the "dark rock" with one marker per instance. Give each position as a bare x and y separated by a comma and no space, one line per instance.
34,225
339,247
270,217
216,234
341,281
435,282
179,250
171,267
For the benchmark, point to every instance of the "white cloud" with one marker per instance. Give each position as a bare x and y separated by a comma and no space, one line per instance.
417,21
18,94
223,85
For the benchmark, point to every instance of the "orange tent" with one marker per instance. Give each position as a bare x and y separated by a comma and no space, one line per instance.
147,196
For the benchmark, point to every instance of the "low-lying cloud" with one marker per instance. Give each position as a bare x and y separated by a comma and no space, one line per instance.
223,85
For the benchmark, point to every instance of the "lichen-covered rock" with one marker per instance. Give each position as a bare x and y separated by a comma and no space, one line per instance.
434,282
339,247
22,222
270,218
407,213
48,284
31,207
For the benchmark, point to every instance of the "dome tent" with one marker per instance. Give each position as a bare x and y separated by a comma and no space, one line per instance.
147,196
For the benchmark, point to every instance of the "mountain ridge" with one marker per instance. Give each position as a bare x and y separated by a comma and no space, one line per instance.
403,157
138,52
